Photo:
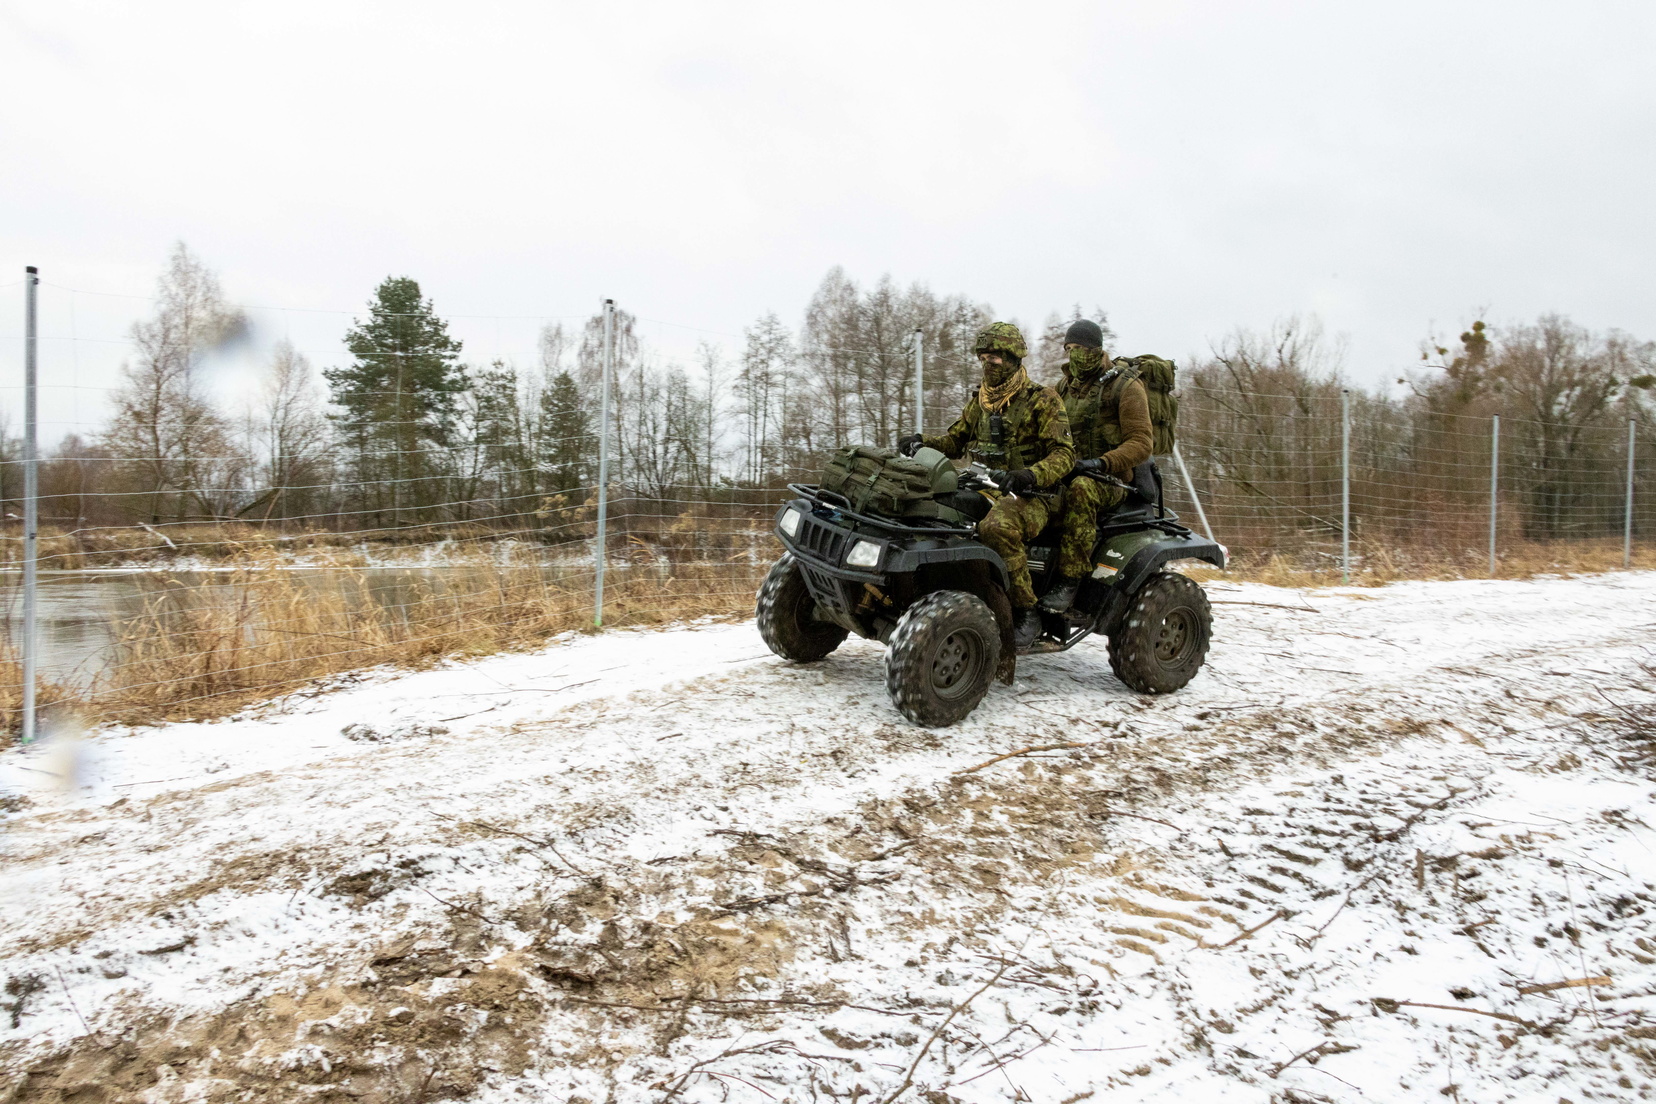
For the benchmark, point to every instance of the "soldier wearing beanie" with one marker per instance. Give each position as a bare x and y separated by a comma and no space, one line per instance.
1109,417
1010,423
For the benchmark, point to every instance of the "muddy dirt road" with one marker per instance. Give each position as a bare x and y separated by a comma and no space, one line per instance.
1391,843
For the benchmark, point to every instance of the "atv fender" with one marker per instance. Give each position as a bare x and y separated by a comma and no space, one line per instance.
918,555
1145,562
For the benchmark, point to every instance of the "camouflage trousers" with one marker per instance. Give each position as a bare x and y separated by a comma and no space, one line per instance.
1011,522
1078,523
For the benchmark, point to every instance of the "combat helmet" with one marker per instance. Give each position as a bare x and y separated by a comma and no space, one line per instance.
1002,338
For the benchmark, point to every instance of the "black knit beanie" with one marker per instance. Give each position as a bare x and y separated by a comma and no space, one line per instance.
1084,332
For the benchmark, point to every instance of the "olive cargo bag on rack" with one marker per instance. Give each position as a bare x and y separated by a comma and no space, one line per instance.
879,479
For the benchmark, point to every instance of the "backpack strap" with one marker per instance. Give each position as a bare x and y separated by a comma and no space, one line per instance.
868,488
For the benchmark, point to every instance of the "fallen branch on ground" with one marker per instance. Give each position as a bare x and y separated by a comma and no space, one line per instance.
1327,1046
455,907
1022,751
1275,916
1346,900
679,1003
1573,983
1385,1004
908,1078
1137,816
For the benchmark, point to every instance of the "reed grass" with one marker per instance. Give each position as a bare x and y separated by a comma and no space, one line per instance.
214,543
207,646
1374,563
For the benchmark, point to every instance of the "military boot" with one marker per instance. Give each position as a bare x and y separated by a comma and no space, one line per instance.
1026,628
1061,596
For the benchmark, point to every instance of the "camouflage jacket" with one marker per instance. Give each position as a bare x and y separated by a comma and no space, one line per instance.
1109,416
1034,434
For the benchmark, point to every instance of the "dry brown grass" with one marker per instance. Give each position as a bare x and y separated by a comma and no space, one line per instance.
49,696
1376,564
203,649
218,542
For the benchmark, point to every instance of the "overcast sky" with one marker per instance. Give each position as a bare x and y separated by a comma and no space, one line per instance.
1391,168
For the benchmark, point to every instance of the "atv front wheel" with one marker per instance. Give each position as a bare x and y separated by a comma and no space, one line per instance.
1164,638
943,653
786,614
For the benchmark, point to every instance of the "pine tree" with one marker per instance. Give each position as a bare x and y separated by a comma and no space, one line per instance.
567,442
399,401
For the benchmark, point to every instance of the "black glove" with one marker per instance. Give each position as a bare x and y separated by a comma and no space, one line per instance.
910,445
1082,467
1020,482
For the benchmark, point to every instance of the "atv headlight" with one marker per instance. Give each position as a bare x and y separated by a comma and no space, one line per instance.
864,554
790,523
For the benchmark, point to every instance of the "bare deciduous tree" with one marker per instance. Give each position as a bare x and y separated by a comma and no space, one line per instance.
177,447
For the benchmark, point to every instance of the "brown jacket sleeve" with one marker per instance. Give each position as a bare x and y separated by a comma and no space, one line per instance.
1134,414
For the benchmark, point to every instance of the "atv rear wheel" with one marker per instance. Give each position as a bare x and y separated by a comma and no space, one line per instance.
1164,638
943,653
786,614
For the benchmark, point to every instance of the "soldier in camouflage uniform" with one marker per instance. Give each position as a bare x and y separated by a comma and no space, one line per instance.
1109,416
1016,424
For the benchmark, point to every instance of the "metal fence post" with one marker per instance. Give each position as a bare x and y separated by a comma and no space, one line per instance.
1627,517
920,380
31,498
1345,485
1201,514
1494,483
601,544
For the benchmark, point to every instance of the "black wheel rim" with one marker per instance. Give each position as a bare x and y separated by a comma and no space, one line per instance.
956,664
1176,640
805,615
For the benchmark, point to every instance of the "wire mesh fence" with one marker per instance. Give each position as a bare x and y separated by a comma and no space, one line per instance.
192,563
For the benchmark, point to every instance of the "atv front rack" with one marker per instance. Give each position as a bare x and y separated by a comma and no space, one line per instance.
840,503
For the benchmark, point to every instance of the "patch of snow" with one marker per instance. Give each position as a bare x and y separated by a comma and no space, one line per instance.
1353,859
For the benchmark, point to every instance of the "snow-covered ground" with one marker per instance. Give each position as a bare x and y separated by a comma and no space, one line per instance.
1352,861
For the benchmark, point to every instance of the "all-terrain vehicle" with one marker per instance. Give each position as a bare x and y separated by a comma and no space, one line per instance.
917,579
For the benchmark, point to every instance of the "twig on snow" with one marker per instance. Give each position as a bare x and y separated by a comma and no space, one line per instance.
840,884
908,1078
1001,1063
76,1008
463,716
674,1086
1137,816
1344,901
1021,751
733,1077
1573,983
1327,1046
1387,1005
681,1002
455,907
548,844
1275,916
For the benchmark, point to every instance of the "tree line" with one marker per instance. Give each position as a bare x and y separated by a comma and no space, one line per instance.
405,432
